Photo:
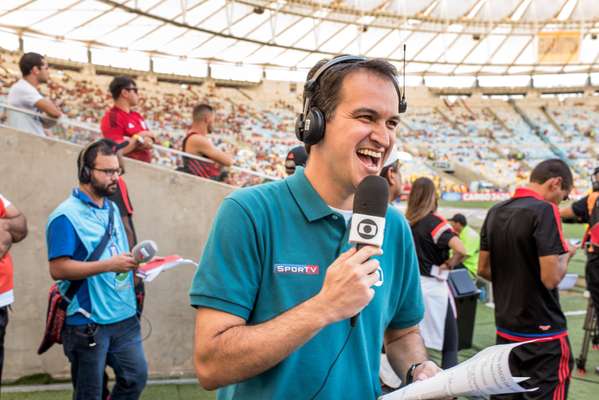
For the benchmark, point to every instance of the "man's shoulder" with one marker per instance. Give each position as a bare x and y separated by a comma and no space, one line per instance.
134,115
396,217
21,88
63,209
470,233
20,85
112,114
259,196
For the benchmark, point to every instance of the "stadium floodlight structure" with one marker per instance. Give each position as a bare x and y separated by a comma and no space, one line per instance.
445,37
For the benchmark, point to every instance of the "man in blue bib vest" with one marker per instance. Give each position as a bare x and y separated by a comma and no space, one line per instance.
102,327
278,280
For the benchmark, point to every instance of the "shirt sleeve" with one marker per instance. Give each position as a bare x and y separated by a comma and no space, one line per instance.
410,307
28,96
581,210
114,128
62,240
548,234
441,232
229,273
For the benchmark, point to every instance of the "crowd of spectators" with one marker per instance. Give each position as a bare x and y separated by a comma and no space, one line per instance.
487,137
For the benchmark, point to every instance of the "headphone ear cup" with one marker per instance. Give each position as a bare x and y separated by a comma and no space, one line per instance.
314,126
299,127
85,175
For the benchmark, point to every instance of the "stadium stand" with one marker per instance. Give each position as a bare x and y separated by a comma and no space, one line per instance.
496,141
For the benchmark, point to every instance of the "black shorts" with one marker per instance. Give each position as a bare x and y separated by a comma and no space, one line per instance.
547,364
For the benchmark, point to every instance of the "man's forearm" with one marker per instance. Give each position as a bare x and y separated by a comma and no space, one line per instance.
5,242
404,351
244,351
455,260
16,226
69,269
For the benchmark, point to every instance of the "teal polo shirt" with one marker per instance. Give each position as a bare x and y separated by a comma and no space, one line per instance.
268,251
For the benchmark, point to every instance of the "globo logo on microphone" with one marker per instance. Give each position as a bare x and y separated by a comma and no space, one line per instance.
367,229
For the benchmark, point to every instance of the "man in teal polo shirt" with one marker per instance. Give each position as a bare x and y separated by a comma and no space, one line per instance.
278,280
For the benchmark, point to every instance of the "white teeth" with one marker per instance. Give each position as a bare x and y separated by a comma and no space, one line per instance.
370,153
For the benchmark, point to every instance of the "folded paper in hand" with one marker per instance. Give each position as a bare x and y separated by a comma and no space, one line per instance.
487,373
150,270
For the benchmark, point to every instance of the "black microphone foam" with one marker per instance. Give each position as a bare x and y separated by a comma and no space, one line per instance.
372,196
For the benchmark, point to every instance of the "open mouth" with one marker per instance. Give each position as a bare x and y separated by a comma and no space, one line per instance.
370,158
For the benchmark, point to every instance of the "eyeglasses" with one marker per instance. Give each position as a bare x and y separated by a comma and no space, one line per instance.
110,171
132,89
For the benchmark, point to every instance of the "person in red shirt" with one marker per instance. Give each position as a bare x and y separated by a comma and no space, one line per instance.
121,123
13,229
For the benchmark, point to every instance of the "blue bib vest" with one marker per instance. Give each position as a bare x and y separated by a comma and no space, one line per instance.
112,295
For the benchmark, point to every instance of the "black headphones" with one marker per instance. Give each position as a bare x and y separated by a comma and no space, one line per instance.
311,123
85,170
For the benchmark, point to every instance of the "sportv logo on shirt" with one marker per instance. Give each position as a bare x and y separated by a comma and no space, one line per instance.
300,269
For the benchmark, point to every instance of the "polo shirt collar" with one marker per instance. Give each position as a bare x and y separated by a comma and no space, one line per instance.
80,195
526,192
307,198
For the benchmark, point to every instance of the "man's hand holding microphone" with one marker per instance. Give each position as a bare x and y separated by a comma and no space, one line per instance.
349,281
141,253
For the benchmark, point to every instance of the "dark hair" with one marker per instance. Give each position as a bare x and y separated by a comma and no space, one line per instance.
391,167
552,168
118,84
200,111
88,154
30,60
326,93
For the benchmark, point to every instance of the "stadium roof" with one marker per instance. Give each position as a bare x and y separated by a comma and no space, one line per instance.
444,37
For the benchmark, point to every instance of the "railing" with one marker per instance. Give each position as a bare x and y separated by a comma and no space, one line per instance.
82,133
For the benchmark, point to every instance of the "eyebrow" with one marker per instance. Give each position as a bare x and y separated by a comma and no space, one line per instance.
375,113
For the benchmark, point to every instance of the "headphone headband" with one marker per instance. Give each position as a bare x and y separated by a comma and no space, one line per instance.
310,124
311,84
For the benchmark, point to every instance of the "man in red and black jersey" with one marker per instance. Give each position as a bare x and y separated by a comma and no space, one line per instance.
121,123
197,143
524,254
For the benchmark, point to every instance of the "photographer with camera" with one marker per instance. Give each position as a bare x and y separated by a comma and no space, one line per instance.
586,210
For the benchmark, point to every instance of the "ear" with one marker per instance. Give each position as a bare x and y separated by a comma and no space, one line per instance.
557,182
389,177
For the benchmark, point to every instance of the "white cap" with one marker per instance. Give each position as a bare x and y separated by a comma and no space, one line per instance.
396,155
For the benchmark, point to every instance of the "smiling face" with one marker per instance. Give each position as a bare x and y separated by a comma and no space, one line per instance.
360,133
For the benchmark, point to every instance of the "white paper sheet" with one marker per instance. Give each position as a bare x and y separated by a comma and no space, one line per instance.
488,372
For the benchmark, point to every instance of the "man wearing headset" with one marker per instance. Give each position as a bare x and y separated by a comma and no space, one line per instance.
278,281
101,327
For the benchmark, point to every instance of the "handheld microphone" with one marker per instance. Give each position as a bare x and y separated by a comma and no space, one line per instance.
368,220
144,251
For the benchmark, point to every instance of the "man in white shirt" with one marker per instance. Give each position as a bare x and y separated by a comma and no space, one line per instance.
25,94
